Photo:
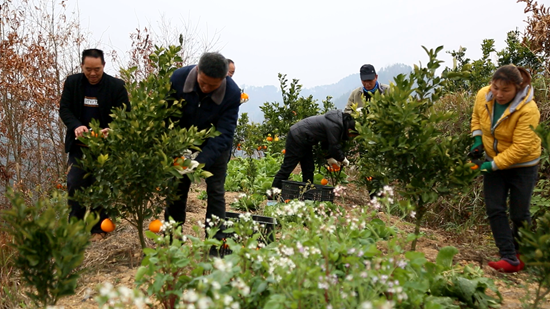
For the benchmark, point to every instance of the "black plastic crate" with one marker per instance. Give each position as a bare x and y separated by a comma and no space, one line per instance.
266,228
305,191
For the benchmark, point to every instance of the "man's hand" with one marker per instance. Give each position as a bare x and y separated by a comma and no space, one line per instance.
345,162
332,161
79,131
105,132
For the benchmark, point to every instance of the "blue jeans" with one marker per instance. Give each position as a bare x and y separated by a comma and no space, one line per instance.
518,183
215,192
76,181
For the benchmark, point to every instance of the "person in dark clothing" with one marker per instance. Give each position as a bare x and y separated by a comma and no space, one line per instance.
211,98
86,96
331,129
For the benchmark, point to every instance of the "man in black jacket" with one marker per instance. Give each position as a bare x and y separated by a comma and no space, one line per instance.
331,129
86,96
211,98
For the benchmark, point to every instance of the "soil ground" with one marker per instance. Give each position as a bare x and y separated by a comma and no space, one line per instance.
115,259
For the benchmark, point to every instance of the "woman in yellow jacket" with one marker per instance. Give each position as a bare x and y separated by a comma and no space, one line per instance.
501,125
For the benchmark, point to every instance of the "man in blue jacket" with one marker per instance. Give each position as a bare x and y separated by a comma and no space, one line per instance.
86,96
211,98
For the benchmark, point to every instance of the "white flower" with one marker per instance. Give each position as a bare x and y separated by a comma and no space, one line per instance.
413,214
222,265
366,305
190,296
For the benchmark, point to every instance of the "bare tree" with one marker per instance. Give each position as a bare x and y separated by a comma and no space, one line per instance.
40,47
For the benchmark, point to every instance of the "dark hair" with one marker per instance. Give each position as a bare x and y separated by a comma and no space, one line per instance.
213,65
94,53
511,74
230,61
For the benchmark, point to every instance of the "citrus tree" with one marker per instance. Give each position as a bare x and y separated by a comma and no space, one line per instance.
134,165
49,248
400,140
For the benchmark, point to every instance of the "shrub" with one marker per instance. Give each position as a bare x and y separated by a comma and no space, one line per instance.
49,248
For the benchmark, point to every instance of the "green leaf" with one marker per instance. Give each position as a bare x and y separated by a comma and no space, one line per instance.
445,256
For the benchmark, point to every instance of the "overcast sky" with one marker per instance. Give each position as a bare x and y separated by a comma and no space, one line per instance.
318,42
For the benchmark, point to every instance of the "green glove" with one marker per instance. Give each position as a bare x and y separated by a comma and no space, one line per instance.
477,148
486,167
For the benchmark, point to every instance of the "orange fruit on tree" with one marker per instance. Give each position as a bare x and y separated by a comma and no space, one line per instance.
269,139
265,147
259,147
324,181
155,226
283,151
107,225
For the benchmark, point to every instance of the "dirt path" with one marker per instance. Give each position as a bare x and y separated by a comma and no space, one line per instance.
115,258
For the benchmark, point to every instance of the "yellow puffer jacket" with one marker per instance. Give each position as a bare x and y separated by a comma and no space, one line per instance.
510,142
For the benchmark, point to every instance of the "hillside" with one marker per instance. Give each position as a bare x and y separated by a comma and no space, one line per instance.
338,91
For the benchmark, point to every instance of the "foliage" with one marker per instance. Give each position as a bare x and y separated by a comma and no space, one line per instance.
518,53
240,179
535,252
538,30
401,133
278,118
134,164
335,259
248,202
49,248
40,43
468,75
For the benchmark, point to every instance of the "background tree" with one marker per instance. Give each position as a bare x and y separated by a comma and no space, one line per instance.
40,45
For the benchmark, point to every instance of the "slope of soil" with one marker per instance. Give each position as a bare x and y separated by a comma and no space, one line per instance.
115,259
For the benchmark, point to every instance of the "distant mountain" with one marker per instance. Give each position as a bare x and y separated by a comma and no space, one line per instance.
339,91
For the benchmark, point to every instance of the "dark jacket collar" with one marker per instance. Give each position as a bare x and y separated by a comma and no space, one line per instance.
191,82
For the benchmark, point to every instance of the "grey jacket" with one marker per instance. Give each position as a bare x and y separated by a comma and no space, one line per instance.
329,129
356,97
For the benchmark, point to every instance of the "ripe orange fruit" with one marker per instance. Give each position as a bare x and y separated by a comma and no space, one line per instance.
265,147
259,147
283,151
475,167
59,186
155,225
238,148
269,139
286,201
107,225
324,181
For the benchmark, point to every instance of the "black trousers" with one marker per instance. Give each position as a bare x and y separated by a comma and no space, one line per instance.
215,192
295,152
76,181
518,183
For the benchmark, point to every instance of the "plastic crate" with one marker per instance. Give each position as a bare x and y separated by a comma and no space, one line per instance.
305,191
267,229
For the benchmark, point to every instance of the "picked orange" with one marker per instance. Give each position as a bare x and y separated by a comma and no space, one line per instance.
155,225
107,225
324,181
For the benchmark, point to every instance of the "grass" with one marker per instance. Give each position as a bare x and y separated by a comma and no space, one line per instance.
10,296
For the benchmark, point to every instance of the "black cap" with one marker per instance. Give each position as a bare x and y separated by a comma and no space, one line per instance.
367,72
